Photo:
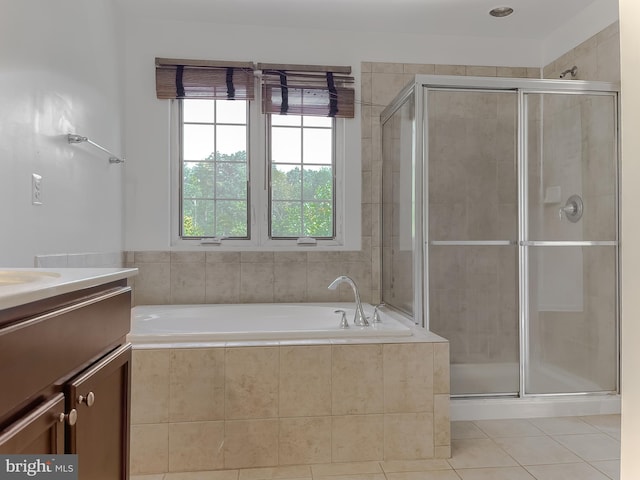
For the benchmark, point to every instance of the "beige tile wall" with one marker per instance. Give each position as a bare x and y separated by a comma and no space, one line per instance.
248,277
240,407
232,277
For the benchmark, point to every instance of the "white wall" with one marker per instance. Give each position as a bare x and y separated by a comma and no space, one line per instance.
147,218
148,179
58,74
630,59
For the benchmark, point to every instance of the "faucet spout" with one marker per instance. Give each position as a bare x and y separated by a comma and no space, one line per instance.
360,318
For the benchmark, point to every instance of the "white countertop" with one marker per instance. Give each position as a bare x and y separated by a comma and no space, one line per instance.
24,285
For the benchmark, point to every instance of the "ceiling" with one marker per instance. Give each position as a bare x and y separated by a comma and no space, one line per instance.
534,19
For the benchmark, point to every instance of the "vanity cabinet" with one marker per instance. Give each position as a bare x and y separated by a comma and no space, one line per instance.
100,395
38,432
65,373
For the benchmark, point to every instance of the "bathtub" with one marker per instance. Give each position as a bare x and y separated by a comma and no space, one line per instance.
169,324
268,385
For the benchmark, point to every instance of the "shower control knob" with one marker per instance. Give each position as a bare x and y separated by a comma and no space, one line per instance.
89,399
573,209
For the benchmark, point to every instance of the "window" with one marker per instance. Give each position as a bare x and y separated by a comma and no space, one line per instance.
301,196
261,163
215,189
214,169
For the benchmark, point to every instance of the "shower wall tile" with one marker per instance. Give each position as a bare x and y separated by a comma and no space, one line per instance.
290,282
597,58
366,112
419,69
222,283
222,257
256,282
450,70
380,67
152,257
608,55
387,85
479,71
513,72
187,257
153,283
187,282
256,257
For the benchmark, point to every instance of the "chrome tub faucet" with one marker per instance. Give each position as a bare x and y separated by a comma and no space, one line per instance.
360,319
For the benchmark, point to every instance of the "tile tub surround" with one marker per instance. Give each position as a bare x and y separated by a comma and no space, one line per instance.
278,404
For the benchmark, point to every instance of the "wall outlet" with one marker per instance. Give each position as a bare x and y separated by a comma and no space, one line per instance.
36,189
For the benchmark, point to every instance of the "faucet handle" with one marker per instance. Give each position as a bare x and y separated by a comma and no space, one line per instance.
343,319
376,314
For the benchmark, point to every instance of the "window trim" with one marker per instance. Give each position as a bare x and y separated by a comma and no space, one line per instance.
269,172
258,165
180,108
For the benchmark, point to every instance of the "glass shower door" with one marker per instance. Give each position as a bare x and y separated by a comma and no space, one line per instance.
570,243
472,236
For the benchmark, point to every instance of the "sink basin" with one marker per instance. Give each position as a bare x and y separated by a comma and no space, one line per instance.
18,277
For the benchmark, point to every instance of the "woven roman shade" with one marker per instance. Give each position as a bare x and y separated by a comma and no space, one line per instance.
307,90
203,79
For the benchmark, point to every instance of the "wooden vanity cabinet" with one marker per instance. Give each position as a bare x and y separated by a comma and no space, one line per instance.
65,374
100,395
39,432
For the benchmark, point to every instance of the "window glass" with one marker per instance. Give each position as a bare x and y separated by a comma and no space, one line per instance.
302,193
215,193
215,170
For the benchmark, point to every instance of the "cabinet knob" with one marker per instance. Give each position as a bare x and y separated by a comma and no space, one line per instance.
71,417
89,399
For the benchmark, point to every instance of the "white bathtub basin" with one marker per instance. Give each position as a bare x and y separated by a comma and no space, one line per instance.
253,322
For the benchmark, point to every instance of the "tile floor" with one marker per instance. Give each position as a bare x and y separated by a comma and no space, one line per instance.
565,448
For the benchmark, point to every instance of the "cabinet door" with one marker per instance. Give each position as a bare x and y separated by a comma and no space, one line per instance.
40,431
101,435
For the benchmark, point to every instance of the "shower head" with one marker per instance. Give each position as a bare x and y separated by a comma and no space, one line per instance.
573,71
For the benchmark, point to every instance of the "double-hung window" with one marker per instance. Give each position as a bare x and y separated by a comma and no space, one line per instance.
263,169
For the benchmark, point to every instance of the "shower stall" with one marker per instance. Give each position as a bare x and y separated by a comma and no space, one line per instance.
500,229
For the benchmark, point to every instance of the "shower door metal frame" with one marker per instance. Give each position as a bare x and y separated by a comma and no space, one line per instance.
420,191
586,88
522,87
